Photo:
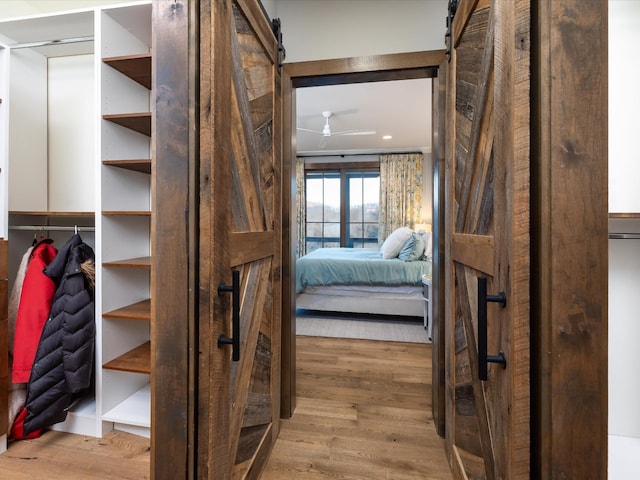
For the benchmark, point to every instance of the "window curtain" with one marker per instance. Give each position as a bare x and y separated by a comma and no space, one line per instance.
301,213
400,192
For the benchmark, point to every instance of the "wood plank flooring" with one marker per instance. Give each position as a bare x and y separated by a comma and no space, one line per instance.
363,412
57,456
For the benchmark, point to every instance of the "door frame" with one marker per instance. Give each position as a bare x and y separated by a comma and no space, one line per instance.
400,66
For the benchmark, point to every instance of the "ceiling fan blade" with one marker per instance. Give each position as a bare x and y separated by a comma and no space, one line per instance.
310,131
356,132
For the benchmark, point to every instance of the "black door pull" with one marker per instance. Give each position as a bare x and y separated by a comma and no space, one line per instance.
234,288
483,358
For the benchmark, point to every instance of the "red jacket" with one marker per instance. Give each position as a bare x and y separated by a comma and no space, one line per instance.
35,304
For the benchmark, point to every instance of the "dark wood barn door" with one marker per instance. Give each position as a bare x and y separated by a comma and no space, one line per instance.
240,232
488,269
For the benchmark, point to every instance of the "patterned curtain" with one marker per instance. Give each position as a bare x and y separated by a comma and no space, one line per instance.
400,192
301,217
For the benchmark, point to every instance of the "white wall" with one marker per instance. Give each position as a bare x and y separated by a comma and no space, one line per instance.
624,196
325,29
624,105
4,141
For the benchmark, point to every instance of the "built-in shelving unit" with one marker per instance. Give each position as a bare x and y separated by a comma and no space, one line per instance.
126,166
79,158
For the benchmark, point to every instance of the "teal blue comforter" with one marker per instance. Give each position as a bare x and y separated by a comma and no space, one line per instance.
356,266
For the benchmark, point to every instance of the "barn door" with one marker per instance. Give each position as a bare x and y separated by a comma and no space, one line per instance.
239,338
487,269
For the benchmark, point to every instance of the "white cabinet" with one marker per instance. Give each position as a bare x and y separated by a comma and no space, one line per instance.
76,101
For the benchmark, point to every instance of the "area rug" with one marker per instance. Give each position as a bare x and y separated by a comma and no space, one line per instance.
362,328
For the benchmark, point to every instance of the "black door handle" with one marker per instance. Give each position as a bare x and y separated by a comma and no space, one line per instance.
235,340
483,358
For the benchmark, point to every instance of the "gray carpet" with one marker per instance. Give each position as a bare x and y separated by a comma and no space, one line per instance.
362,328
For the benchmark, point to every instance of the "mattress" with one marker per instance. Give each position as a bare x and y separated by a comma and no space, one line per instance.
357,266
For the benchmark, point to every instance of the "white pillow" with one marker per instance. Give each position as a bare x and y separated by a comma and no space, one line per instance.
394,242
428,244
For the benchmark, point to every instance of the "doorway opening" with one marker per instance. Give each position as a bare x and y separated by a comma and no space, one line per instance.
322,73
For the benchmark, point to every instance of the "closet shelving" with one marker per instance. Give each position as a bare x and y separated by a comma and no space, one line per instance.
49,106
126,218
80,156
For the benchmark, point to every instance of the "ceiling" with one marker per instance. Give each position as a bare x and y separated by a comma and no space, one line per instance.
400,108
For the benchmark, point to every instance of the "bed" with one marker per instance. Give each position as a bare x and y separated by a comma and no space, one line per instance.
363,280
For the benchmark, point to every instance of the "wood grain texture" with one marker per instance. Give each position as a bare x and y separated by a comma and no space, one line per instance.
374,67
570,324
251,246
488,202
239,230
136,311
138,122
214,183
137,360
513,144
63,456
474,250
141,165
363,413
136,67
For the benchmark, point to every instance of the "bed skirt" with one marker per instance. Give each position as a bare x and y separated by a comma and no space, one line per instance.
398,301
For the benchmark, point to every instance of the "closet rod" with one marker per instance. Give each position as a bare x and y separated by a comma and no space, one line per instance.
51,228
624,236
47,43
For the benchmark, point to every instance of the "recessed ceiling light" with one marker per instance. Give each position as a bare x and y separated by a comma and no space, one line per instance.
387,137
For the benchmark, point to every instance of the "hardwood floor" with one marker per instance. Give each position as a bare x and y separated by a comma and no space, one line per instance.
363,412
57,455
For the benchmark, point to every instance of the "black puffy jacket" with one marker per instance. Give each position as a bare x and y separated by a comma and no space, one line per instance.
63,365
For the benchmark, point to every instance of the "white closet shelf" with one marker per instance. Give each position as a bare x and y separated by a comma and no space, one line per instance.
81,417
135,410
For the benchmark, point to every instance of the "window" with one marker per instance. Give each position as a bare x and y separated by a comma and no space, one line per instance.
342,206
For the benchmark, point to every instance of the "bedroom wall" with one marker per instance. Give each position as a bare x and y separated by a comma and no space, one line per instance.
624,196
325,29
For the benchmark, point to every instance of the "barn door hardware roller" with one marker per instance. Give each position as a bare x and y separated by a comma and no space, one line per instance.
483,358
223,340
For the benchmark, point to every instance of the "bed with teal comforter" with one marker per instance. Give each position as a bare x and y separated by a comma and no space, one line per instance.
357,266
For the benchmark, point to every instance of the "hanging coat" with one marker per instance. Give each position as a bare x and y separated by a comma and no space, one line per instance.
64,361
33,310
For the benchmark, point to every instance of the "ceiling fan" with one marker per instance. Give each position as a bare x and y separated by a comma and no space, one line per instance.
326,131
